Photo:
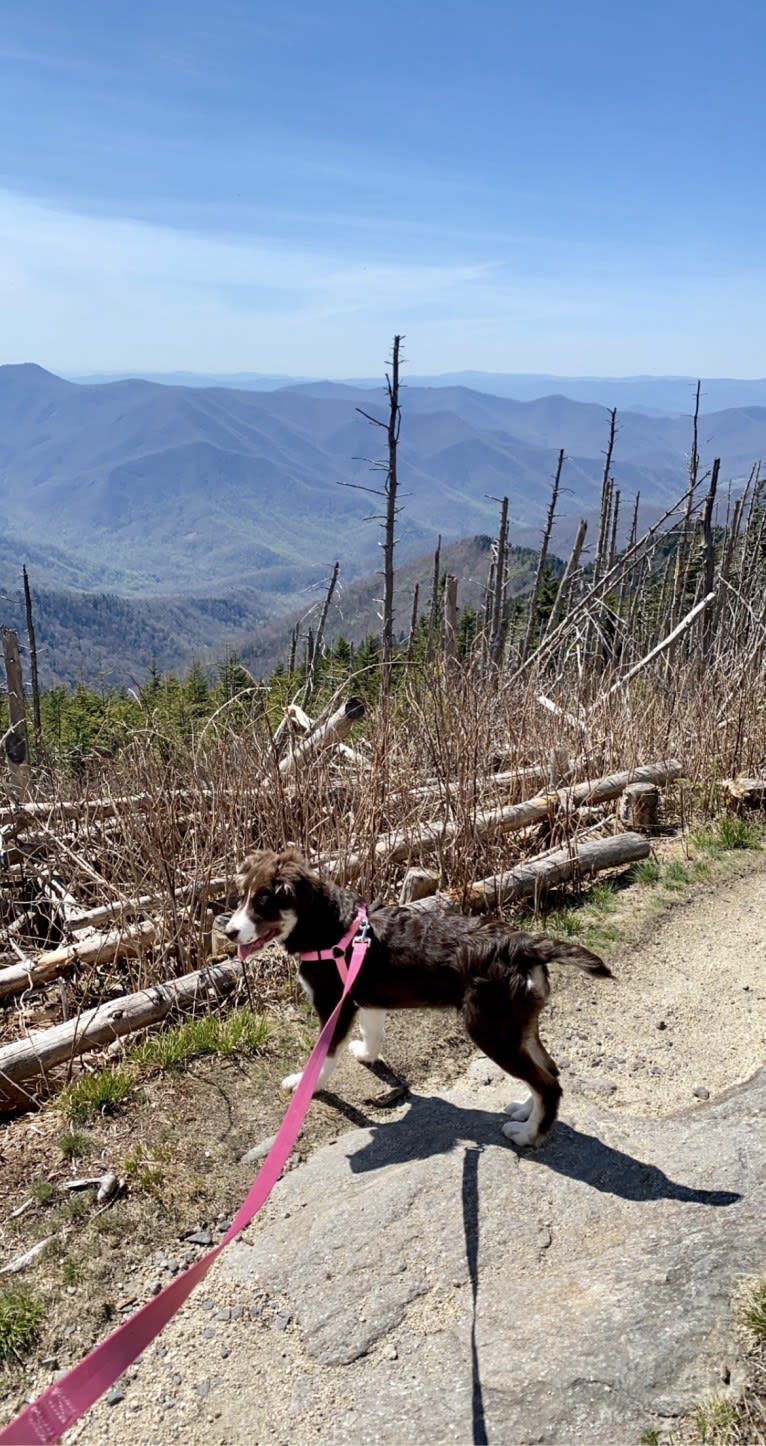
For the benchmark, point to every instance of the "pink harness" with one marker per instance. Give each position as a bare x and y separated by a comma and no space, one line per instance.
63,1402
358,934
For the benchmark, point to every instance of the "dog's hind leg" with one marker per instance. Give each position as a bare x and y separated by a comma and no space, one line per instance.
514,1044
372,1023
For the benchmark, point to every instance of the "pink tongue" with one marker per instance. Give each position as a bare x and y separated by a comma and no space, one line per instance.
245,950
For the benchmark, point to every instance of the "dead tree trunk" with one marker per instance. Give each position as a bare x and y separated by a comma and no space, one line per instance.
543,557
682,551
433,616
566,582
708,557
450,621
38,727
413,623
497,630
16,748
317,644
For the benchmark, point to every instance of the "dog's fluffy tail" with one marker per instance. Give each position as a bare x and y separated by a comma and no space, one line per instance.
563,951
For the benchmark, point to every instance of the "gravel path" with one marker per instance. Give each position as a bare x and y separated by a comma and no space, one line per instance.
684,1021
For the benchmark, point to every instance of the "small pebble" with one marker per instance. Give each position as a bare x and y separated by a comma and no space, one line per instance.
114,1396
701,1093
155,1287
202,1388
200,1237
208,1333
661,1024
283,1320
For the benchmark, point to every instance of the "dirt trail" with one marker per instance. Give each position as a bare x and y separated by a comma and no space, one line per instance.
265,1352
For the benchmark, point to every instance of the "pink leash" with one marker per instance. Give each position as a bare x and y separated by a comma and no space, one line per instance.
66,1400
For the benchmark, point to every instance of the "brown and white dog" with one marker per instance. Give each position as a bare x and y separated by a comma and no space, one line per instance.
496,977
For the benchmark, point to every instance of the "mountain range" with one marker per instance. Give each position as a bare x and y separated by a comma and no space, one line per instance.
656,396
229,504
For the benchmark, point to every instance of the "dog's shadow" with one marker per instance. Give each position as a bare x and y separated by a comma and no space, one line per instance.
434,1126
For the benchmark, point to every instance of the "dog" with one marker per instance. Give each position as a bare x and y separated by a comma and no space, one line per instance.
496,977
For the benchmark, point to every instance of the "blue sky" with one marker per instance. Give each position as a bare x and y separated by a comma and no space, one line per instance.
278,187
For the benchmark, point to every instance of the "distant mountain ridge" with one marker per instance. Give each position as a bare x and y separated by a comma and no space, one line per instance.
653,395
146,489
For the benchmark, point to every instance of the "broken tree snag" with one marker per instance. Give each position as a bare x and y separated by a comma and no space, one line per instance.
333,730
556,868
745,793
418,884
16,749
450,620
99,949
42,1049
640,806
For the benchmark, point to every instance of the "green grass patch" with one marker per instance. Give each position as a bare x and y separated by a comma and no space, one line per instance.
20,1316
94,1094
755,1311
70,1271
241,1032
739,833
646,871
714,1420
602,898
73,1144
676,874
43,1192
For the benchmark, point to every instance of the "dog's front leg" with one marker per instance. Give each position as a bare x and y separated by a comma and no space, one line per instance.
345,1021
369,1048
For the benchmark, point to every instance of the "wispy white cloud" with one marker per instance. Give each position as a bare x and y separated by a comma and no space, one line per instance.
86,293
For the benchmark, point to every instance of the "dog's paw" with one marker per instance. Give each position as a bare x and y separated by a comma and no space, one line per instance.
291,1082
520,1133
361,1052
519,1110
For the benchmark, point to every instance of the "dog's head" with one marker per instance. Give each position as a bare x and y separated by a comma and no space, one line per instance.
271,886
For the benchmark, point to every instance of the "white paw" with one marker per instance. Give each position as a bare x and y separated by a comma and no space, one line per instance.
291,1081
519,1133
361,1051
519,1110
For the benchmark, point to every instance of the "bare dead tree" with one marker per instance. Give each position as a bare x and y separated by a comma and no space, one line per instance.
497,632
294,636
413,623
38,727
607,485
389,493
433,616
684,541
317,645
541,561
564,587
15,739
708,556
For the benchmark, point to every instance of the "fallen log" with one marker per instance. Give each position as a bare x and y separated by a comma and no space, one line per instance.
21,815
99,949
553,867
402,844
42,1049
556,868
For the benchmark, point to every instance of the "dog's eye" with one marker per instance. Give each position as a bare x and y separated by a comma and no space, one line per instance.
262,899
